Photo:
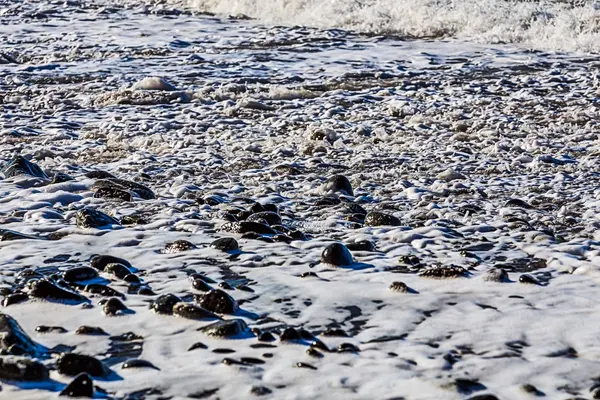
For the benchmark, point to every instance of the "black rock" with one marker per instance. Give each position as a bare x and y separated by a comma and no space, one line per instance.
133,220
225,286
60,177
266,337
90,330
354,208
305,365
317,344
90,218
377,218
133,279
327,201
399,287
48,329
79,274
81,386
246,227
113,193
348,348
178,246
164,304
200,284
260,390
45,289
137,363
198,345
7,234
336,332
337,184
14,298
445,272
99,175
100,262
269,216
314,353
142,191
337,254
20,166
225,328
11,334
192,311
72,364
22,369
225,244
219,302
118,270
289,335
103,290
363,245
113,306
526,278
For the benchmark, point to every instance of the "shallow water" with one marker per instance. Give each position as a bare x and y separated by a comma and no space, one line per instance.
488,155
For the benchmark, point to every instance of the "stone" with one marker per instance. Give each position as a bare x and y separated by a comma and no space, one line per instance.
337,254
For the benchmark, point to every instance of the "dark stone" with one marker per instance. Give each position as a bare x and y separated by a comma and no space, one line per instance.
483,397
526,278
260,390
99,175
142,191
90,330
266,337
164,304
18,165
7,234
45,289
226,328
445,272
335,332
60,177
377,218
305,365
202,278
399,287
90,218
103,290
363,245
354,208
133,220
223,351
225,286
81,386
198,345
200,285
290,334
132,278
11,334
72,364
337,254
192,311
48,329
327,201
79,274
113,306
118,270
137,363
100,262
517,203
22,369
252,360
14,298
225,244
146,291
317,344
113,193
314,353
246,227
178,246
219,302
269,216
348,348
338,184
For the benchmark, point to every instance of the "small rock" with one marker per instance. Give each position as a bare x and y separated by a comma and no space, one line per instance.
90,218
337,254
18,165
113,306
45,289
79,274
226,328
22,369
164,304
81,386
100,262
399,287
73,364
137,363
225,244
377,218
219,302
178,246
337,184
445,272
192,311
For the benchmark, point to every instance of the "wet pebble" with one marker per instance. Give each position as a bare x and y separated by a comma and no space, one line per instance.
399,287
90,330
114,306
90,218
178,246
192,311
164,304
22,369
137,363
118,270
198,345
101,261
260,390
226,328
50,329
218,302
377,218
445,272
79,274
247,227
225,244
337,254
72,364
18,165
44,289
82,386
337,184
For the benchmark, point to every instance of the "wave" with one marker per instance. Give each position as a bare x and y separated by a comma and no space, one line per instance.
543,25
